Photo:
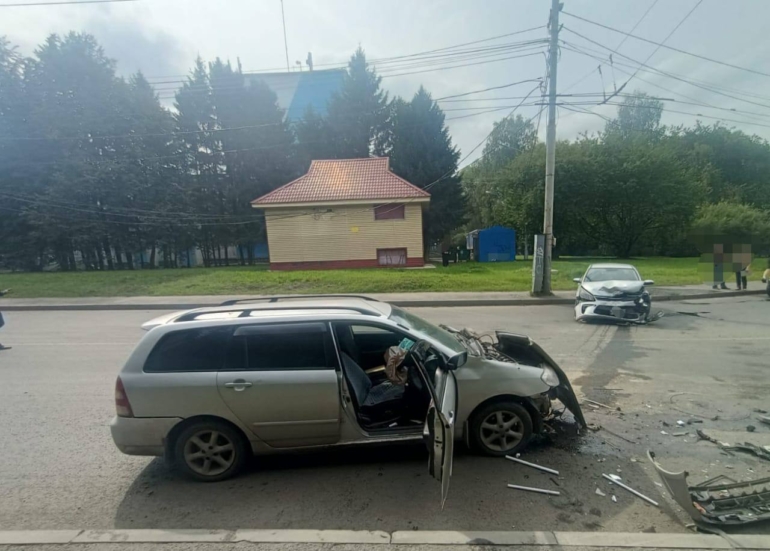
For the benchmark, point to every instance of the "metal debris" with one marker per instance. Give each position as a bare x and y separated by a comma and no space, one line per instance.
536,490
616,480
592,402
720,500
533,465
747,447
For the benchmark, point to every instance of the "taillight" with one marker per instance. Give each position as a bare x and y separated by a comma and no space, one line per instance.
122,405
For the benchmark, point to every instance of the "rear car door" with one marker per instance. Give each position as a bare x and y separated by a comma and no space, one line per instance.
281,381
439,431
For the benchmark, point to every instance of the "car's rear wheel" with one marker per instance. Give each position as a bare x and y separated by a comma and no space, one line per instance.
501,428
210,451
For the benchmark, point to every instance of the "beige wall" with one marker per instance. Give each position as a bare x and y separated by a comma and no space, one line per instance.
344,233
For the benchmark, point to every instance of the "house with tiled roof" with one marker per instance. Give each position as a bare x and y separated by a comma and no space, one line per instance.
345,213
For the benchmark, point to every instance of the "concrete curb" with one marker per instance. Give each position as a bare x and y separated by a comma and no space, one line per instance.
406,303
597,540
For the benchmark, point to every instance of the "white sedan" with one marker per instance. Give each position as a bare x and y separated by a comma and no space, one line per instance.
613,292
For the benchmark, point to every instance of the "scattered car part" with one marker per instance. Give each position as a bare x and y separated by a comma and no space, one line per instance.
533,465
720,500
748,447
536,490
600,493
616,480
599,404
763,419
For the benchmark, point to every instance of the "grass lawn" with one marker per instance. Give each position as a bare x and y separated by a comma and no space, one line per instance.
235,280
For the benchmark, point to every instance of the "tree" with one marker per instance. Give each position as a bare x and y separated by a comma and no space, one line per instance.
421,152
510,137
638,116
730,223
358,113
315,138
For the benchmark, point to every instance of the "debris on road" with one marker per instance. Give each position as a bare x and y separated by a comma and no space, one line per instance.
765,420
616,480
599,404
600,493
536,490
680,423
680,433
757,410
751,428
614,499
748,447
663,432
720,500
533,465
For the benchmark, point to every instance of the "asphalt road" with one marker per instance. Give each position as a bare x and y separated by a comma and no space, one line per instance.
705,359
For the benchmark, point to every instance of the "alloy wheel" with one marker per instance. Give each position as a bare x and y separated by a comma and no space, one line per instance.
209,453
501,431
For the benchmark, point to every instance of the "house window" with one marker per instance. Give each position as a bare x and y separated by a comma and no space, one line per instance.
391,257
389,212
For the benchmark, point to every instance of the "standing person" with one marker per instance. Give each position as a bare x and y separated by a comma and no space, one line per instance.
2,321
719,266
766,277
742,266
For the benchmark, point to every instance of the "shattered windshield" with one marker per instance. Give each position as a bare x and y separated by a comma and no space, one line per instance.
612,274
425,329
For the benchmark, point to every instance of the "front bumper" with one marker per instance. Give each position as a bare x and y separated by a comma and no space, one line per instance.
142,436
625,311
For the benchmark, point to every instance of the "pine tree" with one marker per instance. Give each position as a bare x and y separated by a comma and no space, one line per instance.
421,152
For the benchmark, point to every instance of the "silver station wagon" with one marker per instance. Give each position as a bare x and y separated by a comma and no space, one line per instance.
209,387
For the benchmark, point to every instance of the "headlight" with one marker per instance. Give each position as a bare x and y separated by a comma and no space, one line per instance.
585,295
549,377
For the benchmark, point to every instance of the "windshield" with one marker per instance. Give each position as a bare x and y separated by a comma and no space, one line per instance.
426,330
612,274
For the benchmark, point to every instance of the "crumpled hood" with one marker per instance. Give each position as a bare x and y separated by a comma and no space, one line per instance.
613,288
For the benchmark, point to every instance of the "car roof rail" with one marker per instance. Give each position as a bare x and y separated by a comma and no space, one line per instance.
292,297
246,312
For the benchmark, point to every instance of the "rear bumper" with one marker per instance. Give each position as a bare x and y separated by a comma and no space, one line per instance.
142,436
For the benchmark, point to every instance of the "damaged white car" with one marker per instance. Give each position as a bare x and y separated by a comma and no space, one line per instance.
209,387
613,292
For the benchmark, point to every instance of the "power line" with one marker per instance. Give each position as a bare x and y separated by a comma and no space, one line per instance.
620,44
65,3
489,89
712,60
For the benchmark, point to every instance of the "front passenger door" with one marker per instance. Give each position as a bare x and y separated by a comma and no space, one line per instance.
281,381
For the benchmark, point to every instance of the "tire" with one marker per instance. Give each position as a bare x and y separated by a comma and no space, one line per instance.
485,429
197,457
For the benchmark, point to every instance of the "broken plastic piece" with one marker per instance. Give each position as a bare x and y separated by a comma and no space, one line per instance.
717,502
748,447
614,499
533,465
600,493
616,480
680,423
536,490
596,403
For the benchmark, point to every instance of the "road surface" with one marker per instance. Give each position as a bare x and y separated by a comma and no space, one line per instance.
705,359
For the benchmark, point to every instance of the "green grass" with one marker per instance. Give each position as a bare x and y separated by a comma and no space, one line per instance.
234,280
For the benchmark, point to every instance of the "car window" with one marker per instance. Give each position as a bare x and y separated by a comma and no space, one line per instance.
612,274
281,346
190,350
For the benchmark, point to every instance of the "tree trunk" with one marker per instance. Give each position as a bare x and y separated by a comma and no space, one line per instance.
99,257
118,257
227,255
129,259
108,253
152,256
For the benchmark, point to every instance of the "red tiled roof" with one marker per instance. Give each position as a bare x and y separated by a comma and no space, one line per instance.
344,180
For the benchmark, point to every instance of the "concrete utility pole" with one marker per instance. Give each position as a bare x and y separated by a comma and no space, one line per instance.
550,147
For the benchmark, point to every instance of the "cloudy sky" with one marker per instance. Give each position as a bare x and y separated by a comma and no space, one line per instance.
163,37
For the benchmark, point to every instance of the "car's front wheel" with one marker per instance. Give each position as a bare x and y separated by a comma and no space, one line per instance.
210,451
503,427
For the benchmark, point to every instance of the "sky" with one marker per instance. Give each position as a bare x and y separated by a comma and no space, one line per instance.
162,38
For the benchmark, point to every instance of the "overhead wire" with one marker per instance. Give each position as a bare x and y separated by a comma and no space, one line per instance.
705,58
63,3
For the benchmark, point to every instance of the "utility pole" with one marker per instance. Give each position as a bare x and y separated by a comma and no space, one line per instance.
550,151
285,43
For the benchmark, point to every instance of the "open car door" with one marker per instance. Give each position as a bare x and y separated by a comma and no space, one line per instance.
439,430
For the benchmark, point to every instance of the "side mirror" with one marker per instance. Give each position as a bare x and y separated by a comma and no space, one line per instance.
458,360
576,279
648,282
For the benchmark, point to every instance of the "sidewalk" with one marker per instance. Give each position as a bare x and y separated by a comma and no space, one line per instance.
434,300
305,540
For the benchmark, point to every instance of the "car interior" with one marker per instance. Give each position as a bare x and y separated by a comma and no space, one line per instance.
380,404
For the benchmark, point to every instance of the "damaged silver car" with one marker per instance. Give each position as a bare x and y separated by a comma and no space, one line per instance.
613,292
211,386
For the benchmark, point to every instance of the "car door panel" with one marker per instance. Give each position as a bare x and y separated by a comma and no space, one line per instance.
285,408
280,381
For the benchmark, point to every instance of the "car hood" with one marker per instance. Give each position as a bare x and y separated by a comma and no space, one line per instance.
613,288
